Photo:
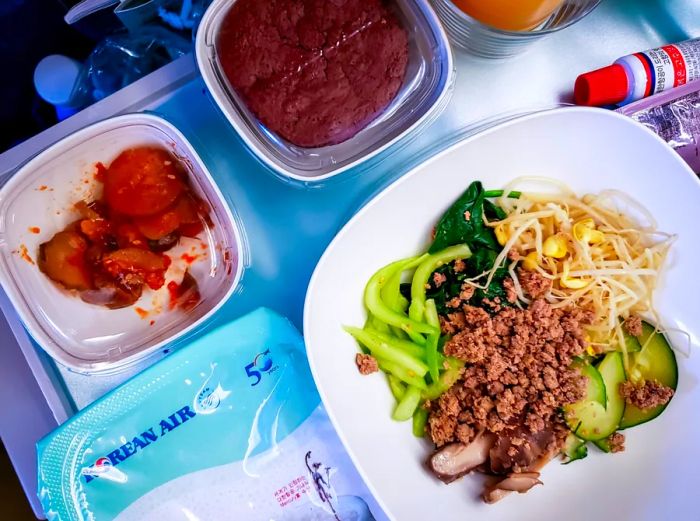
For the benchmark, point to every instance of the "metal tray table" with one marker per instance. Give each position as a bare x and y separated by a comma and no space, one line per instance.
289,226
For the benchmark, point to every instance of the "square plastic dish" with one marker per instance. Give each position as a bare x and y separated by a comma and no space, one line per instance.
38,201
422,97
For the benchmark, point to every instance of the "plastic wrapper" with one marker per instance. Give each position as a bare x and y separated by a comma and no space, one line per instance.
122,58
675,116
229,427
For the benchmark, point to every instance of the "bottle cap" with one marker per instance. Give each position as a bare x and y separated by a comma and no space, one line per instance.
55,77
606,86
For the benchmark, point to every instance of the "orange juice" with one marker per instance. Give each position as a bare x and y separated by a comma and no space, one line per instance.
510,15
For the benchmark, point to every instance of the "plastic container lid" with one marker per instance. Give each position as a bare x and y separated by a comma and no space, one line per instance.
38,201
425,91
606,86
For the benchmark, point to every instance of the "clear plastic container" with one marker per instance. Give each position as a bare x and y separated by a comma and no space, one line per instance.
490,42
38,201
423,95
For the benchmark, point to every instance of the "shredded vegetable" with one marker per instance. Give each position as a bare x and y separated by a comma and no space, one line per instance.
597,256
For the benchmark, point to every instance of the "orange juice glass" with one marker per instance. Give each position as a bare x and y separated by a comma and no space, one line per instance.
503,28
509,15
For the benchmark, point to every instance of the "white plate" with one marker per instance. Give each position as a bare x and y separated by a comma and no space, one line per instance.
590,150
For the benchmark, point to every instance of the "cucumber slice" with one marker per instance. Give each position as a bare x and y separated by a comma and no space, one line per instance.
574,448
596,386
595,393
589,419
632,344
656,361
603,445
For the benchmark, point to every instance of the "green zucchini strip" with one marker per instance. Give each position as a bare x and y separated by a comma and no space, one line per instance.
398,388
405,345
431,346
388,351
408,404
420,418
377,307
447,378
403,374
420,278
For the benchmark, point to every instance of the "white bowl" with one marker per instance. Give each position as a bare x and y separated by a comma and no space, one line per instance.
84,337
590,150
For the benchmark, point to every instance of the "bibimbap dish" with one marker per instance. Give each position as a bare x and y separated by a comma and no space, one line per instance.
525,332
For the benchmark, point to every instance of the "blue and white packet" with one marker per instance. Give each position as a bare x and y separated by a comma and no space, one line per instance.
227,428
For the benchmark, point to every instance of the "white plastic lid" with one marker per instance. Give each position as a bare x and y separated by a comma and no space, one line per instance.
55,77
86,8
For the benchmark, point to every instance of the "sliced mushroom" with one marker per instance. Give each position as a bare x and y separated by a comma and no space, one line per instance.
519,447
539,463
455,460
164,243
516,482
504,487
493,495
520,482
112,296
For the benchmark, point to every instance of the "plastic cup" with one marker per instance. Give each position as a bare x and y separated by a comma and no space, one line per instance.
486,41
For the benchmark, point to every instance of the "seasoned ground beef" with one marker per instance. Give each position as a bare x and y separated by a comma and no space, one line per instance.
454,303
509,287
633,325
534,284
617,442
647,395
439,279
466,292
516,379
314,71
366,364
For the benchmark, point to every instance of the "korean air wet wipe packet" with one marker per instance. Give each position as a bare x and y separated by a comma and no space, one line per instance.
227,428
